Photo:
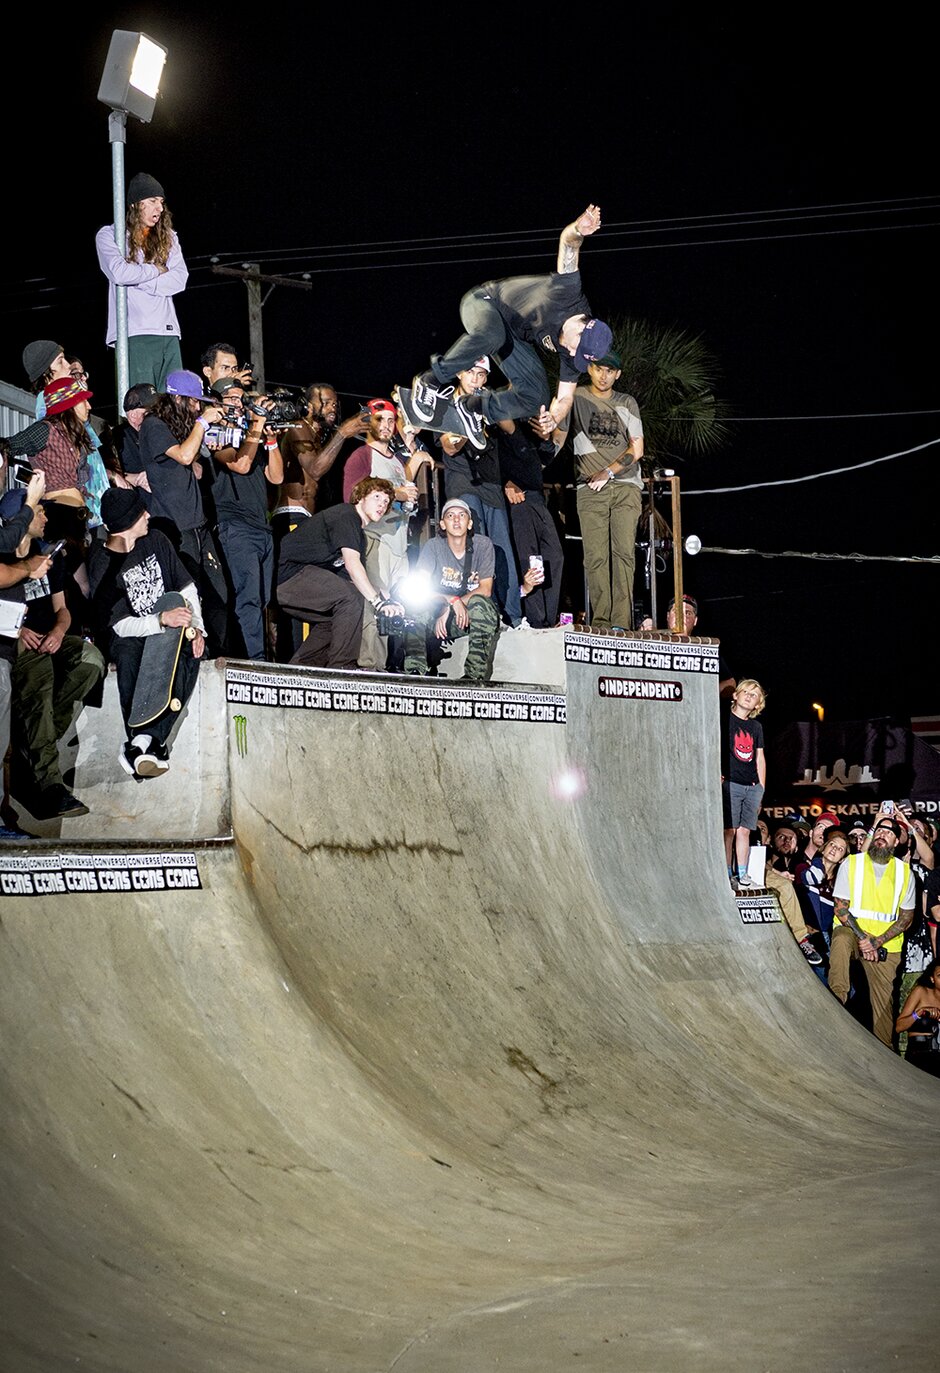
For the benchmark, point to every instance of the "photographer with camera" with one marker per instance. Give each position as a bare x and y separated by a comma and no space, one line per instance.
309,449
171,438
245,459
874,900
387,539
459,569
323,581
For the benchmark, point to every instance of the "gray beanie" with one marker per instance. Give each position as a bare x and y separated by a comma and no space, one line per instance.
39,356
142,187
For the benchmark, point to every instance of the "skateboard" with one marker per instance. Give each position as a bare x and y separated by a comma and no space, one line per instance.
445,419
153,693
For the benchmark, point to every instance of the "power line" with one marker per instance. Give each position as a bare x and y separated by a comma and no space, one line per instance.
812,476
822,557
636,226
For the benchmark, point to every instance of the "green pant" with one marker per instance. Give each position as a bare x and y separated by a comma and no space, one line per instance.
608,521
46,688
483,629
150,357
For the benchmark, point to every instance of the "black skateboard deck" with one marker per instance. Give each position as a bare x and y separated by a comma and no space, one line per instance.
153,693
445,419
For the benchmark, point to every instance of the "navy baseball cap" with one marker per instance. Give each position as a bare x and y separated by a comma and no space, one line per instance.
595,344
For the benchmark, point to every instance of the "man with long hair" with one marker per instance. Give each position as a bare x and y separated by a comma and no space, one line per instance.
171,437
150,264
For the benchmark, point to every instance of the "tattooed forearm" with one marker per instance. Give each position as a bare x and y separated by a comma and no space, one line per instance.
569,249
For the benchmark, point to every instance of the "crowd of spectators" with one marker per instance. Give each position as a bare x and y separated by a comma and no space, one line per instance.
268,527
294,534
863,900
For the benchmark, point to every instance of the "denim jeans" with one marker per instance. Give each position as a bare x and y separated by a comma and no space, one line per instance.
519,361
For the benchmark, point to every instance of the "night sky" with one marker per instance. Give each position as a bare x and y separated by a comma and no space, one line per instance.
767,184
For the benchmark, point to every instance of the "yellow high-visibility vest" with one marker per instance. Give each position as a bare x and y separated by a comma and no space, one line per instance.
875,904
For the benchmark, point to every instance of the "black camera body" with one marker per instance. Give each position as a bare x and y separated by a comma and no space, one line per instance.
394,623
283,410
230,431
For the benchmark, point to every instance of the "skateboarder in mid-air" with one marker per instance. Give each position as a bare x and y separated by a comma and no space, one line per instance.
129,574
509,320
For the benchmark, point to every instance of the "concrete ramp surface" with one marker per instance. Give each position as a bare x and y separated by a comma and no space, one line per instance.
459,1057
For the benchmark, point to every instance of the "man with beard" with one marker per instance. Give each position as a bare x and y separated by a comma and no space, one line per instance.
786,851
874,896
309,450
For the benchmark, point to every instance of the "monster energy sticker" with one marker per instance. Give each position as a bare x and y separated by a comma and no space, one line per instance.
240,723
387,698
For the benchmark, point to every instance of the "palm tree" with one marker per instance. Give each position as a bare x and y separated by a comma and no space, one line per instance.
673,376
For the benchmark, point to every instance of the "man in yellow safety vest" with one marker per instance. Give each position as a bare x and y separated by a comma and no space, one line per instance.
874,895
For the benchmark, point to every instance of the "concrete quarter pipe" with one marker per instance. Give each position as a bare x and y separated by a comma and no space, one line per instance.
459,1057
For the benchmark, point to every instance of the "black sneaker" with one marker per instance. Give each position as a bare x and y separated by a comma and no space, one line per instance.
427,394
152,759
56,803
13,833
470,421
429,414
128,754
811,954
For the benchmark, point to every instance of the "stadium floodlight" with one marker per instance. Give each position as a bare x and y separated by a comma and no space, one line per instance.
132,72
129,85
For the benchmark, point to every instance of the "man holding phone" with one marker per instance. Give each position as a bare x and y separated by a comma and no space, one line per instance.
52,672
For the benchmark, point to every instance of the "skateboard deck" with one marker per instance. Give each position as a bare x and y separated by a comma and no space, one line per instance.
153,693
445,419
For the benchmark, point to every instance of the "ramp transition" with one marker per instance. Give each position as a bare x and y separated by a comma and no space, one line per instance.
460,1057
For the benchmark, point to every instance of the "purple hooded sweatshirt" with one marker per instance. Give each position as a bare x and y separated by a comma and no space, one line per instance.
150,291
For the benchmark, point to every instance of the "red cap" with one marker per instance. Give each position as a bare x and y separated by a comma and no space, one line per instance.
381,407
64,394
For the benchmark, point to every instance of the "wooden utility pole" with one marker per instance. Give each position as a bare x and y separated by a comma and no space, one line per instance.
252,275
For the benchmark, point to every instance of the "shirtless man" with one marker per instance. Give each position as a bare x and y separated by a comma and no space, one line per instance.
309,450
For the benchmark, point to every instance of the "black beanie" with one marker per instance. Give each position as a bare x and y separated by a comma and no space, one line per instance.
120,508
142,187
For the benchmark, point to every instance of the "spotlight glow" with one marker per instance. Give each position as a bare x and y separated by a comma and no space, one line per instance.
147,67
568,784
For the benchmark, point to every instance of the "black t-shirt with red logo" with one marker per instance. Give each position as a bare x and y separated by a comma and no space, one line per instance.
740,740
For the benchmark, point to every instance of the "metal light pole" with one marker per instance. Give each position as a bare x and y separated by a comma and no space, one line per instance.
129,85
117,134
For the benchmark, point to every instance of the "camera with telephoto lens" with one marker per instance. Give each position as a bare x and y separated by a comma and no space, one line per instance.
282,411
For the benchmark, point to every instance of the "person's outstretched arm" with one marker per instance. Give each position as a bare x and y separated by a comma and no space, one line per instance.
573,235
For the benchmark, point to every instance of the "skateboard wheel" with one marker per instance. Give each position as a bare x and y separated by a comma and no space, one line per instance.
190,632
176,704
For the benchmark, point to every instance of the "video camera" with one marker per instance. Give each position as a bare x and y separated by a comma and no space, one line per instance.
230,431
283,410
